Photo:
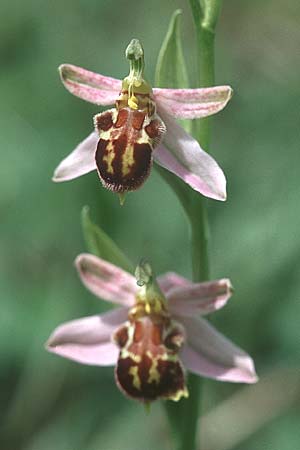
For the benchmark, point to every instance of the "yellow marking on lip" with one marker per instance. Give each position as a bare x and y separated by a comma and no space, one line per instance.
154,374
127,354
136,379
127,160
169,357
180,393
109,157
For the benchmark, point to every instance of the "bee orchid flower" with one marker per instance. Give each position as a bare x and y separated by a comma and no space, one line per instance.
142,127
155,334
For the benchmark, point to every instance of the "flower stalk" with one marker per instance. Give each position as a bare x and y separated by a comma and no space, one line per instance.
205,18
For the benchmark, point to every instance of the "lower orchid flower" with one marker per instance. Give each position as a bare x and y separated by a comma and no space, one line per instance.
141,128
155,335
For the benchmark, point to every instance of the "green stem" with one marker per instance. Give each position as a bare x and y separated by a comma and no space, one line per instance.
205,17
199,239
189,416
190,412
206,56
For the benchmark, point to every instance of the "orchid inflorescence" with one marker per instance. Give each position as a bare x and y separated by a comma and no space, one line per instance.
157,333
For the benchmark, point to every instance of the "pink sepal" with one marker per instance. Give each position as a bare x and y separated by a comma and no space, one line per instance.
199,298
210,354
105,280
182,155
88,340
79,162
171,280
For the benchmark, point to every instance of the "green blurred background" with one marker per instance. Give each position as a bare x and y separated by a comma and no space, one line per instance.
50,403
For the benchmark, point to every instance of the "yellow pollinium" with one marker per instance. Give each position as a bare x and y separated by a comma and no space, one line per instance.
154,305
135,86
149,303
133,102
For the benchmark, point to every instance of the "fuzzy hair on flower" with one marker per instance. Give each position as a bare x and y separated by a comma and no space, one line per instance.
156,333
142,128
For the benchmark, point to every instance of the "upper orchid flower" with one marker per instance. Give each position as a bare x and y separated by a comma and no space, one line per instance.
128,137
155,333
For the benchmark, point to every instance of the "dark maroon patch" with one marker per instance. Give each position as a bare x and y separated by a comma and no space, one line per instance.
104,121
122,118
154,129
143,161
110,180
156,334
139,171
138,332
121,336
101,152
138,118
174,340
170,382
172,377
119,146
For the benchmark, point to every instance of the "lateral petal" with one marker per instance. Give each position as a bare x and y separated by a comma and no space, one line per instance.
106,280
193,103
88,340
212,355
171,280
90,86
199,298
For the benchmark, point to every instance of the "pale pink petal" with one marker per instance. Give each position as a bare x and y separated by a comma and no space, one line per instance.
212,355
193,103
90,86
199,298
105,280
182,155
202,95
170,280
88,340
79,162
